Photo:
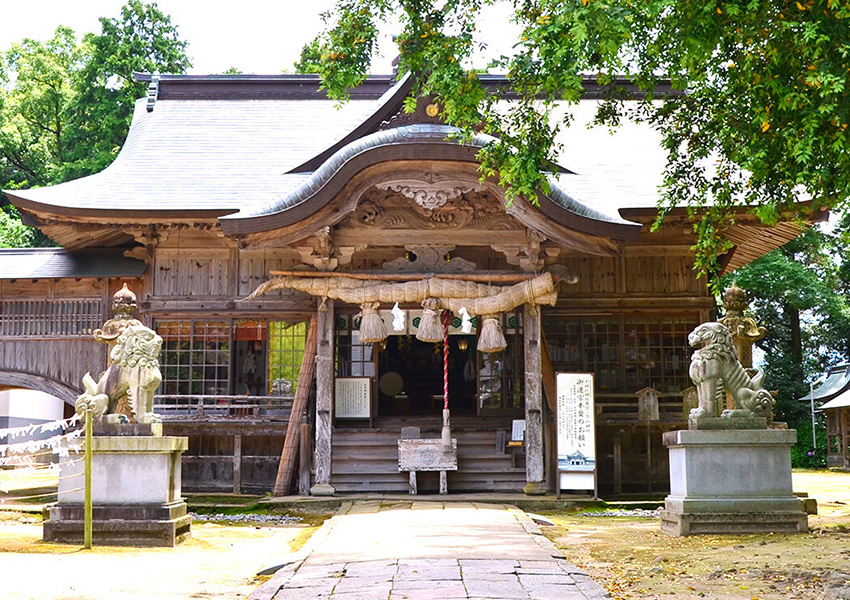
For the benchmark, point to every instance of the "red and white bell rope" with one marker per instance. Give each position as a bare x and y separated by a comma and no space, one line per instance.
447,432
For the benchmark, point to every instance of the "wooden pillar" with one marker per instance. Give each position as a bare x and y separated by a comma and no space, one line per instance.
237,464
550,429
304,458
534,464
618,462
324,401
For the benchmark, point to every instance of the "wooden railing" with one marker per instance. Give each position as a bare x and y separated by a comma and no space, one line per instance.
175,407
50,318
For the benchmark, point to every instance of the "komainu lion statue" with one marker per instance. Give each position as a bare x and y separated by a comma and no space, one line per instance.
133,373
715,366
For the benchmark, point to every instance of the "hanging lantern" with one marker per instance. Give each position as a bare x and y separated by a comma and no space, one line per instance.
430,329
372,328
491,338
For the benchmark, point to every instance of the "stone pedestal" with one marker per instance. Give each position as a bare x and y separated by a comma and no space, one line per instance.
735,481
135,493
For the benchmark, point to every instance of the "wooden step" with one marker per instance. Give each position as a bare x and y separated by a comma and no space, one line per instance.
366,460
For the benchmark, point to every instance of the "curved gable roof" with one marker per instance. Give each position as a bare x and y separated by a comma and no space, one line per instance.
412,142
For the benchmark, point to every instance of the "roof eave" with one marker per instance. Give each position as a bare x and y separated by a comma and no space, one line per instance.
31,206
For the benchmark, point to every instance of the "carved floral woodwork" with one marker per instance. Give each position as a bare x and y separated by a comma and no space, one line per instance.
389,209
430,193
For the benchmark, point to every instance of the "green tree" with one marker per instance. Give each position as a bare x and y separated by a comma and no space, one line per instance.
13,233
310,59
66,106
764,120
34,101
141,39
793,295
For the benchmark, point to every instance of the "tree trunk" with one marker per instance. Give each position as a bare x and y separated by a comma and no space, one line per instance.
793,316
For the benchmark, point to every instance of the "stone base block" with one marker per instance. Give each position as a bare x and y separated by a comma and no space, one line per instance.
535,488
103,427
131,470
731,481
726,423
135,493
681,524
322,489
120,525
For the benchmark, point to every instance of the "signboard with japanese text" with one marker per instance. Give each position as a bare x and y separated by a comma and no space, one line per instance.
353,397
576,432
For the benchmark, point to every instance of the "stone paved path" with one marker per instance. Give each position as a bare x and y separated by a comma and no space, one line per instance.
426,550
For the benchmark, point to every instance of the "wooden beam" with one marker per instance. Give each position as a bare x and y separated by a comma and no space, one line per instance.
302,395
400,237
495,277
224,306
237,464
304,457
675,303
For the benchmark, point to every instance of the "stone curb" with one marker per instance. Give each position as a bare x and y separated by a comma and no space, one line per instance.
289,566
586,585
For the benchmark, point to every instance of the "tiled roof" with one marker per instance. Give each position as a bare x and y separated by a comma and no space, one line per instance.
309,186
232,152
836,384
202,155
611,170
54,263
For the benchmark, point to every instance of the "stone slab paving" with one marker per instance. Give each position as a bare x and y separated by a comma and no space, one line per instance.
424,550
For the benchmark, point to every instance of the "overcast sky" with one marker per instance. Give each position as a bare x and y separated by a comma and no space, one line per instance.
255,36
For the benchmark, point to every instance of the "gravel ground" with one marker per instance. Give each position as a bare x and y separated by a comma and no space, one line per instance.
247,519
619,512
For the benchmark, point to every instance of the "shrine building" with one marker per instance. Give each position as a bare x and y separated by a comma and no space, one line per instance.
229,183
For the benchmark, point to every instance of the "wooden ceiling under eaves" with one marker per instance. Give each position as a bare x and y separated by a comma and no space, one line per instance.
753,240
74,237
126,233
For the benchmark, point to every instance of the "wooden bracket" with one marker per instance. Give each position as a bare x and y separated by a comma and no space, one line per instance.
323,255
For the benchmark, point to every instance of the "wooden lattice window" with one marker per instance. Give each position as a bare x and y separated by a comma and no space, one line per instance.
624,354
195,357
50,318
353,359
